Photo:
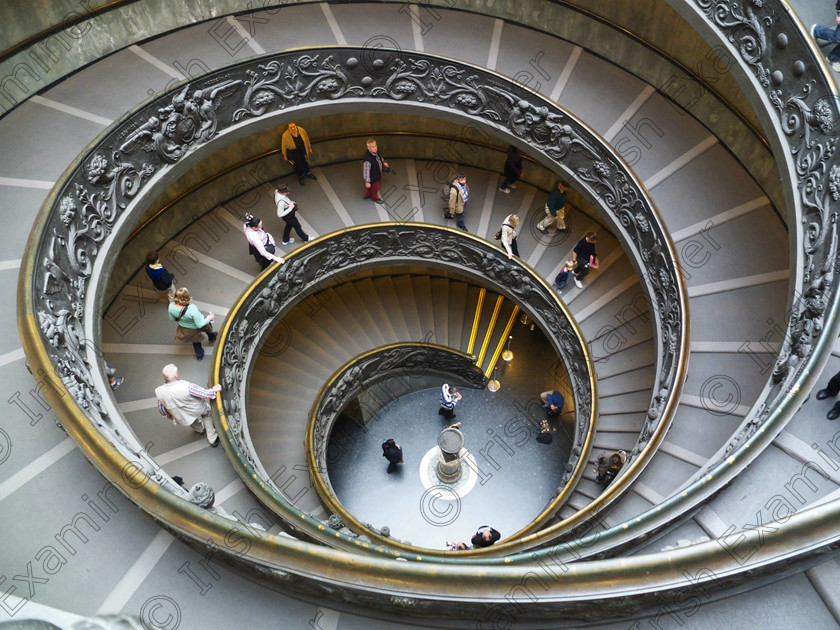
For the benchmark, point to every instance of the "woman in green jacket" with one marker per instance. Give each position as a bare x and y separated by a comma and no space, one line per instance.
191,322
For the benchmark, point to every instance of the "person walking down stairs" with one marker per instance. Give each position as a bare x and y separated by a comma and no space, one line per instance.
287,210
457,195
296,149
584,257
191,322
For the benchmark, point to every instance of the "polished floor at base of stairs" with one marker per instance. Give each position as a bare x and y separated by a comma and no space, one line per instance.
500,433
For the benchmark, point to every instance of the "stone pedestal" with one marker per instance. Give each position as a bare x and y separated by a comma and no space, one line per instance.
450,445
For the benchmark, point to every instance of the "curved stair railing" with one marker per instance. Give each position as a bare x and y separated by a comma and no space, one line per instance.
417,365
164,136
775,56
262,306
414,361
71,255
104,29
797,366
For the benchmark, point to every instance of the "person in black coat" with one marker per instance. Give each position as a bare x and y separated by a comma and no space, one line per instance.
513,169
393,453
584,257
484,537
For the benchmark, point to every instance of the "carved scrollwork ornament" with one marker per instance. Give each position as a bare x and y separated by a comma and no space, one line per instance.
745,24
807,113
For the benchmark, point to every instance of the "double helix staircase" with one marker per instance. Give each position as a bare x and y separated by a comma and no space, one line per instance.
734,251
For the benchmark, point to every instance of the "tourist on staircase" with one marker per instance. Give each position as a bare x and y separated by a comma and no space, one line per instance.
261,244
162,280
563,277
457,196
585,257
296,149
191,322
513,169
507,235
373,165
287,210
555,209
187,404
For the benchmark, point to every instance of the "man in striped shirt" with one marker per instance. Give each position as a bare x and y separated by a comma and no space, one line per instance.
187,404
449,397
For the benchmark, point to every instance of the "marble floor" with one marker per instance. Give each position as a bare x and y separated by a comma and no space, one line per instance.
500,430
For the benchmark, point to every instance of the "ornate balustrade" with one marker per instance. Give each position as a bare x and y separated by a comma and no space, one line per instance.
785,76
94,207
88,218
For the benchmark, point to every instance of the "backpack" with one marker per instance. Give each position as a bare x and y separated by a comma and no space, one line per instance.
444,193
163,281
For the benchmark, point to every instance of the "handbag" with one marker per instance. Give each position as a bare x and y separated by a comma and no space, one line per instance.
208,329
269,247
498,235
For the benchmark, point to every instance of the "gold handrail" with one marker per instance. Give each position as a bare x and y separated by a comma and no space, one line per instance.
487,335
476,318
520,540
497,353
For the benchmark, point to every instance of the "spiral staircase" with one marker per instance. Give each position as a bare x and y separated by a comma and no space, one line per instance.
678,540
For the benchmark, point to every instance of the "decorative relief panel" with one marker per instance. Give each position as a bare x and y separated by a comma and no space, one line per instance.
805,108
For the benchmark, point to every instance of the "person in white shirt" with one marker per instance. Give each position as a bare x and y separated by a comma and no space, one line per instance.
186,403
261,244
509,235
287,210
